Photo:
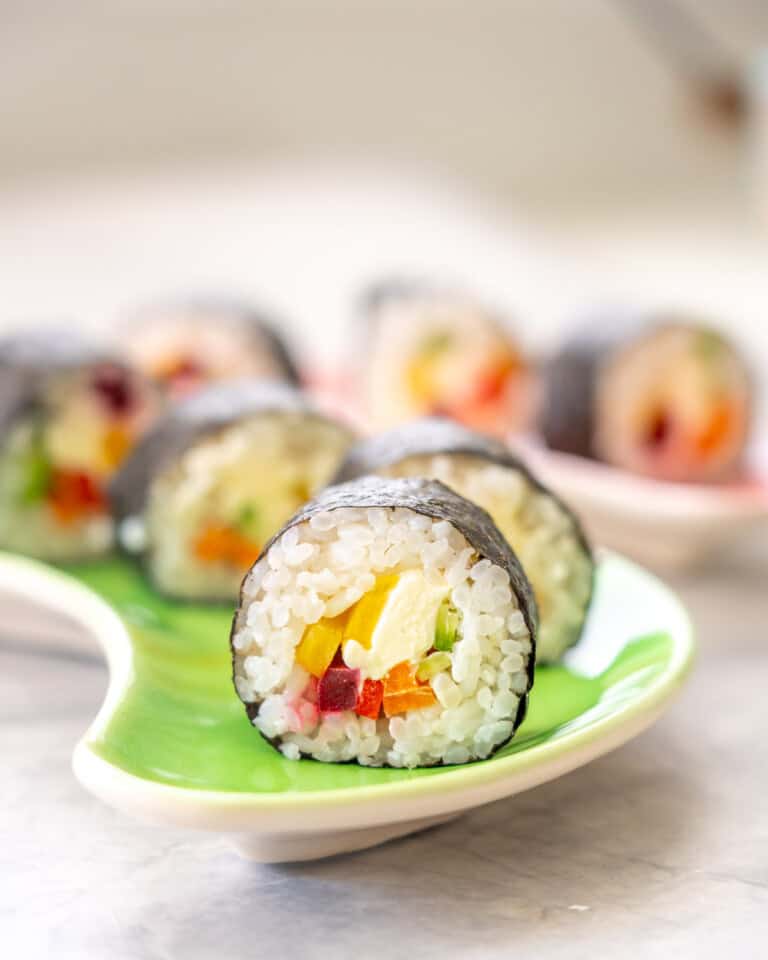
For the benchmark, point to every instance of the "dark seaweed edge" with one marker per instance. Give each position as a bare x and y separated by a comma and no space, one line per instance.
279,348
433,499
437,436
569,383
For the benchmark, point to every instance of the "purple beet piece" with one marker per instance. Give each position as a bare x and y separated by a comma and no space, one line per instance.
113,386
337,690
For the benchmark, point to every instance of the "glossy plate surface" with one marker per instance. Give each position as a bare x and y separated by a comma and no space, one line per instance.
172,742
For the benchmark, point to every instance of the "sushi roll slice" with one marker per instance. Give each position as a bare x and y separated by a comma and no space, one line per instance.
433,352
69,414
665,398
387,623
215,477
185,345
543,531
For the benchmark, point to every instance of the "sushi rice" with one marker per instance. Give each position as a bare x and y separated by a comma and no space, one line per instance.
543,534
322,567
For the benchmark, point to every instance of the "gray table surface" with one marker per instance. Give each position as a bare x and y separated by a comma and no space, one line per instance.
657,850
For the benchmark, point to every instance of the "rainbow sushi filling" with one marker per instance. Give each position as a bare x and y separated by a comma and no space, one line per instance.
447,358
675,405
58,456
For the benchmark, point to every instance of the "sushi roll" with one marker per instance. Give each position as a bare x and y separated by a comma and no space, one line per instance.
185,345
215,477
387,623
666,398
433,352
69,414
543,531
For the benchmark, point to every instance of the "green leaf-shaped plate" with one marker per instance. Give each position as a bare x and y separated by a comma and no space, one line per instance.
172,743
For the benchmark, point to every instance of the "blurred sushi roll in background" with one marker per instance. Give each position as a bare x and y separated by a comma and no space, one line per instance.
216,477
544,533
186,344
387,623
666,397
431,351
70,412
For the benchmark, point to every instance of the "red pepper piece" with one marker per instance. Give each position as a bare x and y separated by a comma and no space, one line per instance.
72,495
492,383
369,701
182,374
337,689
658,430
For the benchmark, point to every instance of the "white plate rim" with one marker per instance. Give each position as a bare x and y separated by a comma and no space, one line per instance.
350,807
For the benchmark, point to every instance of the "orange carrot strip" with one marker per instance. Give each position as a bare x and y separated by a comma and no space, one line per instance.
717,429
402,691
219,543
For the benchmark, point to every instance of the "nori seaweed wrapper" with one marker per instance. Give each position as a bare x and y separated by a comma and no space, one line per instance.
264,328
435,436
29,361
421,291
393,288
570,384
206,412
432,499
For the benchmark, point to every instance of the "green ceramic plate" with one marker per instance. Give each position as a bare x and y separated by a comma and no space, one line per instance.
172,741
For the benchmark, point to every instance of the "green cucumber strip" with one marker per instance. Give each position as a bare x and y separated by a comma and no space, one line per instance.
249,520
430,667
447,628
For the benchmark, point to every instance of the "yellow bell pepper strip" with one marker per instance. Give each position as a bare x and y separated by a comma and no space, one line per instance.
420,372
115,445
319,644
321,640
364,615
